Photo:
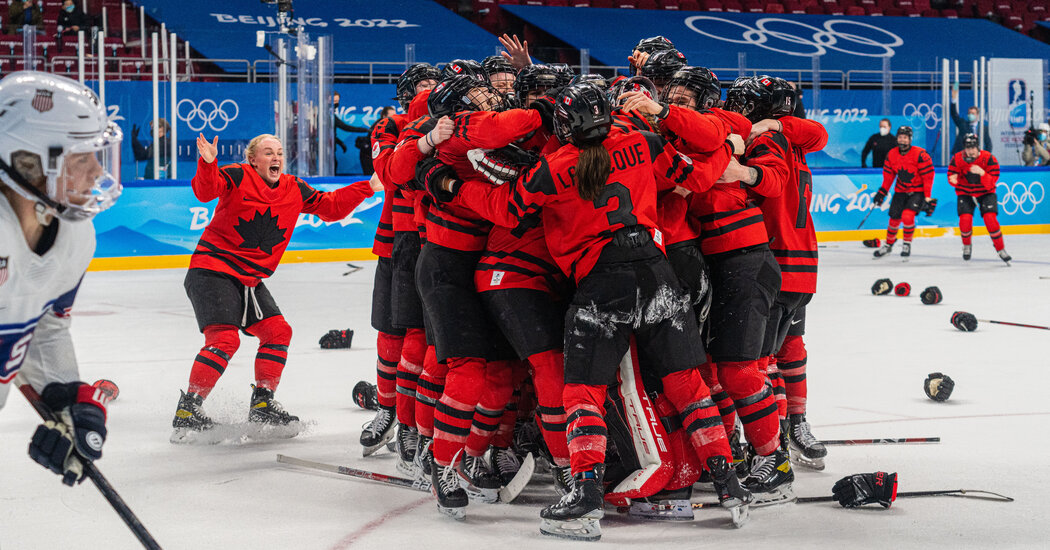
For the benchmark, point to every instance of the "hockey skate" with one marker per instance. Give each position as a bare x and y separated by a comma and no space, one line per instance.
739,449
424,460
505,462
265,409
451,498
731,495
475,478
770,480
563,480
406,445
967,251
883,250
905,250
189,418
664,506
1004,256
378,431
577,514
805,449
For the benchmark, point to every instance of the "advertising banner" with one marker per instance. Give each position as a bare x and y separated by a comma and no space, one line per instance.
1015,104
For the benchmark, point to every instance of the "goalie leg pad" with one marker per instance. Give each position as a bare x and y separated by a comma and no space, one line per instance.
698,413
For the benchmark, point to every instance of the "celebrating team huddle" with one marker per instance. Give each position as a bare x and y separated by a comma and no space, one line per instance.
563,258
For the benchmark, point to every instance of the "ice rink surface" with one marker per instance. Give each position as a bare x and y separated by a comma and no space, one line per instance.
868,357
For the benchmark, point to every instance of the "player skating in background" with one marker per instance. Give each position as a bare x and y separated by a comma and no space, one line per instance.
243,244
60,165
912,168
974,174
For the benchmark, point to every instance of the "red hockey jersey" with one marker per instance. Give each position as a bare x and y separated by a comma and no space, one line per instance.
913,171
974,185
253,222
384,138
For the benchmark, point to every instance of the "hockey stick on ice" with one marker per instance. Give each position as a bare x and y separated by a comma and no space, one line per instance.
961,493
1012,324
96,477
882,441
353,472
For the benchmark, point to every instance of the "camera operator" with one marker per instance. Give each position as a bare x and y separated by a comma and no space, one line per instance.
1036,149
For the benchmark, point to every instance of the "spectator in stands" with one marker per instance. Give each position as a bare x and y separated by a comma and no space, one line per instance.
967,125
145,152
23,12
71,20
878,145
1036,149
340,125
364,143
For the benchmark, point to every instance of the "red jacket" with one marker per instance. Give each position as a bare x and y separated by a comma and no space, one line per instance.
913,170
253,222
792,238
577,230
966,183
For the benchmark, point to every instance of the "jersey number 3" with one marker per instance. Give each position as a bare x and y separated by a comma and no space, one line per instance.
624,213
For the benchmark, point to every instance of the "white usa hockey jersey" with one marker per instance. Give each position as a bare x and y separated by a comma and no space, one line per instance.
36,294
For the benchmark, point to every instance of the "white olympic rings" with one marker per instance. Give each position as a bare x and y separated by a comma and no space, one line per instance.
931,114
809,42
214,112
1011,201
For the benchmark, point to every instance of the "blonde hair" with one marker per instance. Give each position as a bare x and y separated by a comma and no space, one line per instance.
249,151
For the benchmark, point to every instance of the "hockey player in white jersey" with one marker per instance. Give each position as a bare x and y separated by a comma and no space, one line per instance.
59,166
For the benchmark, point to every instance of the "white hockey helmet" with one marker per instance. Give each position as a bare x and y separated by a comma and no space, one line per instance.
55,128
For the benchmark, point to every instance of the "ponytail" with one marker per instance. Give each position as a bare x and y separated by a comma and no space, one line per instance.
592,171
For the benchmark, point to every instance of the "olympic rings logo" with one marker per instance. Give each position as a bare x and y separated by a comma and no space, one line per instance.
1021,197
207,112
772,33
931,114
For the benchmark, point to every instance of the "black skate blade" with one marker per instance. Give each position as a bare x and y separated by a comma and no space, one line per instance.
582,529
512,489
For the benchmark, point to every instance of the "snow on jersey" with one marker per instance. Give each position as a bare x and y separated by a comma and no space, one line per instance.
36,294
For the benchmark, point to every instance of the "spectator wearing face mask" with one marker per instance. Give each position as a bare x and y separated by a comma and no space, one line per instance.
878,145
1036,149
967,125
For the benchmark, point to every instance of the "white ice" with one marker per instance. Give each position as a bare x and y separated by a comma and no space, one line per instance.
868,357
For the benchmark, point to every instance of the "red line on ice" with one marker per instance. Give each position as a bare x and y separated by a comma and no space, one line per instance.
930,418
367,528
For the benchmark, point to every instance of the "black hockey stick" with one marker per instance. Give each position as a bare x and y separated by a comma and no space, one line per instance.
1013,324
354,472
882,441
873,208
96,477
960,493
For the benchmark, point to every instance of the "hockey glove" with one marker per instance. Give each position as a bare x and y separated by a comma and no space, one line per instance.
431,173
545,105
63,446
872,243
963,321
929,206
860,489
902,289
335,339
880,196
931,295
938,386
366,396
882,287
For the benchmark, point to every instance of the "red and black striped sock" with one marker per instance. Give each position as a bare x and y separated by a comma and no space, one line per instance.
891,231
413,353
220,343
549,379
699,415
777,381
388,350
991,223
966,227
492,405
754,402
791,360
726,408
455,409
428,391
586,434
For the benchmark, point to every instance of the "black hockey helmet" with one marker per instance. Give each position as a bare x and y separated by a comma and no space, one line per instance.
494,64
462,93
653,44
591,78
407,82
760,97
582,114
970,140
563,72
905,131
699,80
662,65
467,67
537,77
633,84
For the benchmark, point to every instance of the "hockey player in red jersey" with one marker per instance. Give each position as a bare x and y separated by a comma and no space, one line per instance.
912,167
392,363
974,174
793,242
596,197
248,233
